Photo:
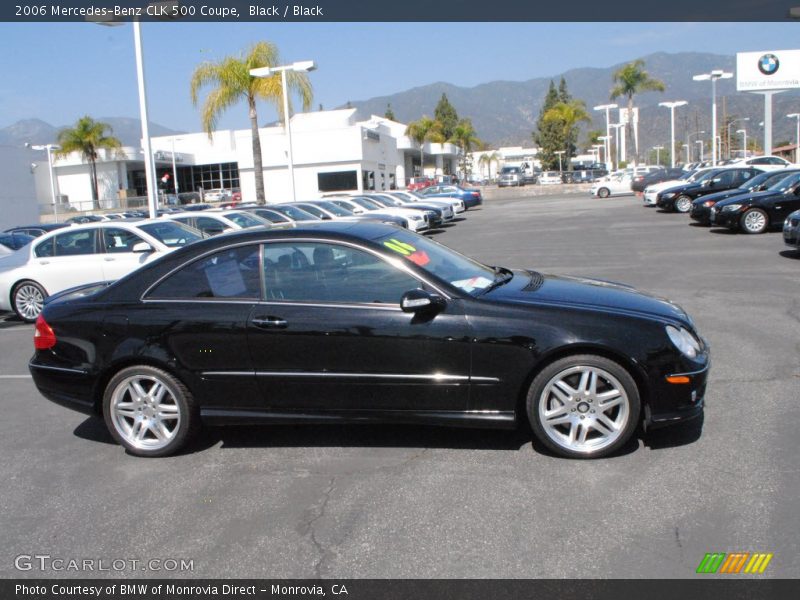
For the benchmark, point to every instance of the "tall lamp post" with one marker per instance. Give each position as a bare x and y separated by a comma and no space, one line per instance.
175,170
797,139
301,66
672,106
729,132
617,127
49,148
607,143
658,150
559,152
701,148
688,156
744,142
713,76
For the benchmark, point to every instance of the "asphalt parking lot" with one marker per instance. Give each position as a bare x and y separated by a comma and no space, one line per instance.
375,501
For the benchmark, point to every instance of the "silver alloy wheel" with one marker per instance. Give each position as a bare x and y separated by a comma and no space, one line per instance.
144,412
683,204
28,301
755,221
584,409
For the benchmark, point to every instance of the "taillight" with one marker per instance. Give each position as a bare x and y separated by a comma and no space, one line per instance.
44,337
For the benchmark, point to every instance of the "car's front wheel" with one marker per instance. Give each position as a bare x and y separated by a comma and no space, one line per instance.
583,406
28,300
754,220
683,204
149,412
604,192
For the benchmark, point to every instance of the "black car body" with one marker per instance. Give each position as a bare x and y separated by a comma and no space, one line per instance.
791,230
701,207
680,198
759,211
355,322
642,180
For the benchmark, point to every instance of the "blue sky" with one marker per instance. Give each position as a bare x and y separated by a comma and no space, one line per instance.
59,72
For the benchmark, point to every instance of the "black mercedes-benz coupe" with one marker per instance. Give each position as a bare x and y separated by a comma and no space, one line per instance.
365,322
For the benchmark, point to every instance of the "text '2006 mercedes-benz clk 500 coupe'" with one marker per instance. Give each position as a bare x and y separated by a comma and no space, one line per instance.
365,322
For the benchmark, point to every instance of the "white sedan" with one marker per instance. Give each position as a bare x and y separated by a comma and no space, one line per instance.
550,178
614,185
83,254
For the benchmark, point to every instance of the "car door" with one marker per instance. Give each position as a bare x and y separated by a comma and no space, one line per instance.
119,259
331,335
786,203
67,259
202,314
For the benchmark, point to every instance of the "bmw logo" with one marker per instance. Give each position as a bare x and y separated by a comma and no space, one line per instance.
768,64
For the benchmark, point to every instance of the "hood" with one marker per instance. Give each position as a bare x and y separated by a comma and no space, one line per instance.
748,197
530,287
720,196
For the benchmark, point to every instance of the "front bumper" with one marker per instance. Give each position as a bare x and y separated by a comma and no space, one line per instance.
650,198
791,233
700,213
724,218
666,203
677,402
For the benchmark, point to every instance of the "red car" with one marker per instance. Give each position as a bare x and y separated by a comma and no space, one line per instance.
419,183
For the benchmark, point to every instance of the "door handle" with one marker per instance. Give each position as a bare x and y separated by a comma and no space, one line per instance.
270,322
109,259
44,262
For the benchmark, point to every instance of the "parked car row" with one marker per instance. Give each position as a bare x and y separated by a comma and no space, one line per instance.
746,197
42,260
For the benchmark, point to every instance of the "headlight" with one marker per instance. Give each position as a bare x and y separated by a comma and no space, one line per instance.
709,203
684,341
668,195
731,207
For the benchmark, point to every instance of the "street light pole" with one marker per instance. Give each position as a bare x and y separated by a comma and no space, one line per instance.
701,148
149,163
729,132
688,157
49,148
672,106
305,65
559,152
658,150
174,170
713,76
689,137
607,143
797,139
744,133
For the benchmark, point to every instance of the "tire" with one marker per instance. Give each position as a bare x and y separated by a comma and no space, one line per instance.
562,408
683,204
754,220
604,192
146,425
27,300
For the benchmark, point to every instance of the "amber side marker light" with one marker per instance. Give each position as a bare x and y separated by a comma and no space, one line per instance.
44,337
678,379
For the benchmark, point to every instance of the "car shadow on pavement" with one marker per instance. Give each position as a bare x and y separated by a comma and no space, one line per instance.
675,435
699,225
94,429
360,436
723,231
790,254
9,320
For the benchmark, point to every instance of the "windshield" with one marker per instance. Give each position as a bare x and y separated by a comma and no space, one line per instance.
245,220
366,203
506,170
271,215
710,174
298,214
172,234
785,183
756,181
446,264
335,209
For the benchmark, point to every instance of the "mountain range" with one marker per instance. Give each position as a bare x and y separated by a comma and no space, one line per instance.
505,112
35,131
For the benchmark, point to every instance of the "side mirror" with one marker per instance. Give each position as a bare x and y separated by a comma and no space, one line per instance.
142,247
416,301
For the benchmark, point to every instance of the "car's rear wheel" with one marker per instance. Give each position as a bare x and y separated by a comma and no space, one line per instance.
604,192
583,406
754,220
683,204
28,300
149,412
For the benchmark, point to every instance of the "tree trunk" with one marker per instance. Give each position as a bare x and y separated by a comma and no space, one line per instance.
95,194
258,168
421,160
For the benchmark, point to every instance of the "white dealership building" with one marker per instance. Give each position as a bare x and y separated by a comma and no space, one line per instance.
332,151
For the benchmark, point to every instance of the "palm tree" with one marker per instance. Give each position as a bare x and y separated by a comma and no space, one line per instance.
631,80
424,130
566,116
232,82
488,159
87,137
464,137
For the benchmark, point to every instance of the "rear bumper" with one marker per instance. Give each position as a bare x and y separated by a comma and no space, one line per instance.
71,388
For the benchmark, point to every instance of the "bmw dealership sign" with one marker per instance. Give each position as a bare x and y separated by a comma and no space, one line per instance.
768,70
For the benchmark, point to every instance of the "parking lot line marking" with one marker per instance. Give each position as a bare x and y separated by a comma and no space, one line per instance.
15,376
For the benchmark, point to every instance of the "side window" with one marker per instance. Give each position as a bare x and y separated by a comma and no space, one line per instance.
209,225
232,273
744,174
321,272
44,249
760,161
775,161
725,178
119,240
74,243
